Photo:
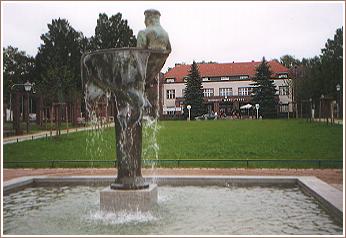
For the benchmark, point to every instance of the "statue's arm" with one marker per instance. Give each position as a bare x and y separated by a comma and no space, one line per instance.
142,40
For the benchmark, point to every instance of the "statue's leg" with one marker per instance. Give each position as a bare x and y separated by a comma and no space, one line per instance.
128,128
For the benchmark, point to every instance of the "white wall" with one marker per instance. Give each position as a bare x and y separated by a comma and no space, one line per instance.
216,86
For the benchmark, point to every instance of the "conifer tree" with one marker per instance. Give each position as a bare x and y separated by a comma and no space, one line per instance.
194,92
264,91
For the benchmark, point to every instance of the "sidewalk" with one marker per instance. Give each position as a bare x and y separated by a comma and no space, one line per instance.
324,120
333,177
42,134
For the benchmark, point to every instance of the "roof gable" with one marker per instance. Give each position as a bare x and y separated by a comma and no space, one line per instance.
225,69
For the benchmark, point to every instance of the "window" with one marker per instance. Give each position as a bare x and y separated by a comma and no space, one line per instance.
205,79
225,92
170,80
208,92
170,93
224,78
284,108
283,76
283,90
244,77
244,91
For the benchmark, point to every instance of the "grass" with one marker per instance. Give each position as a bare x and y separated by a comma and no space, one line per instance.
198,140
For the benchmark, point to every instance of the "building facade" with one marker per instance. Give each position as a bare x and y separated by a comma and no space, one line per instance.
226,87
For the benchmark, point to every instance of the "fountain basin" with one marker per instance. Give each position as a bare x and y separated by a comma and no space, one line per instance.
241,205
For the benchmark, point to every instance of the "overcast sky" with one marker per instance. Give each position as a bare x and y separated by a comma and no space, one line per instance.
211,31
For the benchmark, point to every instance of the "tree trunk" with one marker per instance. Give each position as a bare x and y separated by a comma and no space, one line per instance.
39,110
16,114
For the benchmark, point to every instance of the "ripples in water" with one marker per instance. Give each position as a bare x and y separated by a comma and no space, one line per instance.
190,210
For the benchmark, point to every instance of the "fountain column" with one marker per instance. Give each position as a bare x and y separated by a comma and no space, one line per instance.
128,74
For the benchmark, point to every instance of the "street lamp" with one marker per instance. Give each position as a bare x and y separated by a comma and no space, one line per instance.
27,87
320,112
338,87
310,100
189,108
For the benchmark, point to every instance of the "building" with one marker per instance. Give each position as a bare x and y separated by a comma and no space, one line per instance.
226,87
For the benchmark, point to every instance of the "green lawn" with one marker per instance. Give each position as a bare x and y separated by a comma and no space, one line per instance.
197,140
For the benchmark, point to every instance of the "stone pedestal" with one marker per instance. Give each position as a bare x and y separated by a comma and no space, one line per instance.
130,200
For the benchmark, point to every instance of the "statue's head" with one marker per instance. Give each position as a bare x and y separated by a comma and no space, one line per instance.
152,17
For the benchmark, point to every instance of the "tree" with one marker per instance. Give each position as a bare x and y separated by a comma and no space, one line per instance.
289,61
264,90
194,92
332,64
18,68
58,67
112,32
58,62
320,74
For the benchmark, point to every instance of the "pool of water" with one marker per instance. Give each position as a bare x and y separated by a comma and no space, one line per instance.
186,210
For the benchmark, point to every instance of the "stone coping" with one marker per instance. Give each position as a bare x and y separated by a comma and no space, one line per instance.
329,197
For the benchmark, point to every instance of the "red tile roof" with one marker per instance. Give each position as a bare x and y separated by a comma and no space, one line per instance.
225,69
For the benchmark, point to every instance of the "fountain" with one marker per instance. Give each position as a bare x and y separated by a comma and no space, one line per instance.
221,205
130,75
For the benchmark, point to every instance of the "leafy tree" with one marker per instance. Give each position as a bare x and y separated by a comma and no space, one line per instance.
18,67
112,32
264,90
58,62
332,64
194,92
289,61
320,74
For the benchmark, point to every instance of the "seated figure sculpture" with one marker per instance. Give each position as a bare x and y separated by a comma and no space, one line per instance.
154,37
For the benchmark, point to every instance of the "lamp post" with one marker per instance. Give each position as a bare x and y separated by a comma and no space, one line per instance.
337,100
27,87
189,108
310,101
320,112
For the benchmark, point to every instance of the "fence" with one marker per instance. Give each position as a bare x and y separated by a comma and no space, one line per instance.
248,163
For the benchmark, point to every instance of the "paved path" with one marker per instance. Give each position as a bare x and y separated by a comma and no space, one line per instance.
324,120
333,177
42,134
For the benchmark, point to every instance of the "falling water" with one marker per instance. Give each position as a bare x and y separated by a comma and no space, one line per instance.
129,74
96,141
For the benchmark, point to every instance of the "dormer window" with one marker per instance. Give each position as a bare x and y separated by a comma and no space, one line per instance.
242,77
170,80
283,76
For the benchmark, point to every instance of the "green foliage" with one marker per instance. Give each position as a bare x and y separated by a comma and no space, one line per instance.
320,74
58,62
112,32
289,61
332,64
18,68
264,91
194,92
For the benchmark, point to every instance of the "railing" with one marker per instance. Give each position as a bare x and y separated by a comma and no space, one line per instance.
217,163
